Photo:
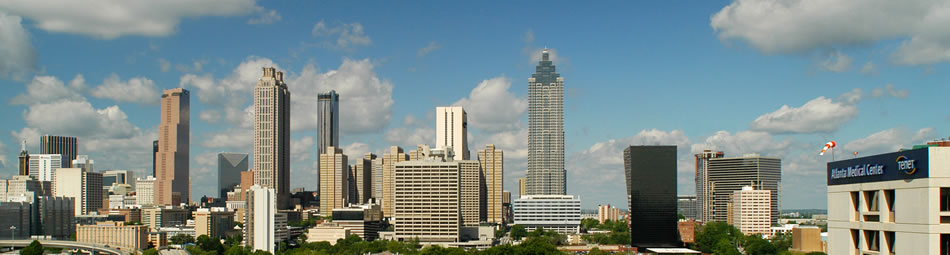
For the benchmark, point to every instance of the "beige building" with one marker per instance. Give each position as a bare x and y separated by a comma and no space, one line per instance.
607,212
522,187
330,232
213,222
752,210
395,155
491,161
361,179
145,190
377,180
362,220
84,187
470,192
272,135
451,125
334,184
172,185
167,216
114,234
807,239
427,200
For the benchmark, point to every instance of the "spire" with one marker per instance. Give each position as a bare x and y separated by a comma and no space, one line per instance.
23,146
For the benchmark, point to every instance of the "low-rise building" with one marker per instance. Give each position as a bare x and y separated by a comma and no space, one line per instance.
214,222
330,232
561,213
164,216
362,220
115,234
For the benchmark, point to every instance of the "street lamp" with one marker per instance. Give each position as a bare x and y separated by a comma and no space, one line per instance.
12,229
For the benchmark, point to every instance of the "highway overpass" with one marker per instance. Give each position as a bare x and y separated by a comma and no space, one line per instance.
92,248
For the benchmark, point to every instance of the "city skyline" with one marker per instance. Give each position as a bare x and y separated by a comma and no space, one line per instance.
698,79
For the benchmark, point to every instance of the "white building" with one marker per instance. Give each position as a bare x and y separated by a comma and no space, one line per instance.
451,125
43,166
892,203
260,223
84,187
83,161
752,210
145,190
561,213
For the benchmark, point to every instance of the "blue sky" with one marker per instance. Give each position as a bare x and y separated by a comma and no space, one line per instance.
770,77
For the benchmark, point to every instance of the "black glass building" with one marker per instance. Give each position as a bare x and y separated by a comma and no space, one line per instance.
651,191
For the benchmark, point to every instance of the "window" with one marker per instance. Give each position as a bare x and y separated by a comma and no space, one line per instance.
944,199
889,238
855,200
872,239
871,200
889,202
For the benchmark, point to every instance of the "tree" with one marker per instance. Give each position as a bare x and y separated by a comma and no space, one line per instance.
680,216
210,244
181,239
709,236
150,251
782,241
816,253
725,247
35,248
518,232
755,245
588,224
597,251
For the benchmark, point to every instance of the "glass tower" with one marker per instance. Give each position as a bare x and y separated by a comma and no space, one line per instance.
651,189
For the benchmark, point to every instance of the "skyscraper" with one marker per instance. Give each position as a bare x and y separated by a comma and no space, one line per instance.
334,184
727,175
145,190
172,180
272,135
390,159
451,125
651,177
328,123
260,231
230,166
43,166
546,174
361,175
492,165
62,145
377,179
24,164
703,189
428,204
522,187
85,187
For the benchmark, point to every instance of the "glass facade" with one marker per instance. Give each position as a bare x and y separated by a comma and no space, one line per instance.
651,190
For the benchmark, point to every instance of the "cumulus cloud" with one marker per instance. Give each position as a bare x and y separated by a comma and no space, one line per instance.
17,56
433,46
79,118
784,27
869,68
412,132
164,65
889,91
210,116
266,17
46,89
888,140
110,19
492,107
232,91
235,139
819,115
341,35
301,149
837,62
743,142
135,90
603,161
365,100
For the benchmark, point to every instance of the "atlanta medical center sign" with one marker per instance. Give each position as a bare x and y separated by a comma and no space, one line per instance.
903,165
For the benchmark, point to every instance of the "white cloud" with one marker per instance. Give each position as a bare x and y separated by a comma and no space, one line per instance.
433,46
135,90
17,56
786,27
164,65
869,68
3,157
28,134
110,19
888,140
267,17
365,100
411,133
45,89
347,35
743,142
820,115
889,91
301,149
233,91
81,119
210,116
491,107
837,62
356,151
237,139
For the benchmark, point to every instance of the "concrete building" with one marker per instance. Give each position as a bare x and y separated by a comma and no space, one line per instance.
650,173
546,174
172,182
491,161
334,184
145,190
110,177
84,187
522,187
727,175
328,123
687,206
891,203
395,155
16,217
377,180
83,162
607,212
230,166
43,166
364,220
752,211
272,135
164,217
214,222
361,179
561,213
65,146
808,239
427,199
471,192
23,165
328,232
114,234
21,183
262,230
451,132
704,193
506,207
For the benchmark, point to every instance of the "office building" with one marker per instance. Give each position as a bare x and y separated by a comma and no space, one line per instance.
364,220
164,217
65,146
327,232
561,213
395,155
36,215
110,177
84,187
703,188
214,222
272,135
334,184
172,182
891,203
471,192
83,162
24,160
451,125
546,174
427,200
15,217
361,179
491,161
230,166
727,175
506,207
651,191
145,190
114,234
260,223
522,187
377,180
687,206
751,211
328,122
43,166
607,213
21,183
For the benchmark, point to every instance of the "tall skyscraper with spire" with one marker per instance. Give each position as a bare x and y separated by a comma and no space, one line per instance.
328,125
546,174
172,180
272,135
24,158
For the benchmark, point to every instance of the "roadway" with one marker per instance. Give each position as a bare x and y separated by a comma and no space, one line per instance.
97,248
